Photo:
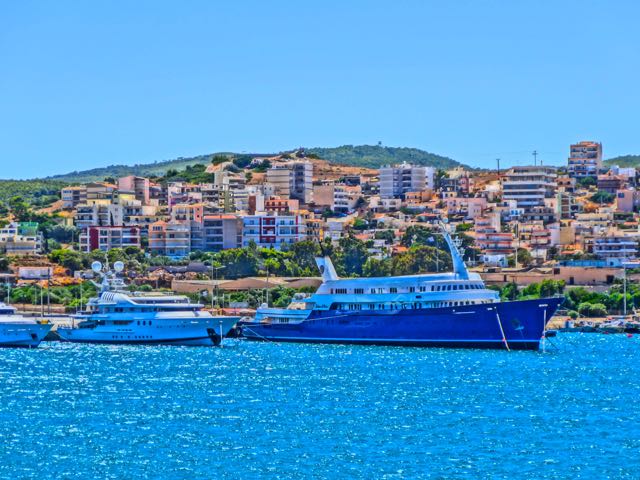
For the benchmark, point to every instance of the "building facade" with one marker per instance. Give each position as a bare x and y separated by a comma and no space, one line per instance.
585,159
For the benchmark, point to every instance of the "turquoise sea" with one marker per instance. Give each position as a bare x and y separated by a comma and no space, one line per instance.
267,410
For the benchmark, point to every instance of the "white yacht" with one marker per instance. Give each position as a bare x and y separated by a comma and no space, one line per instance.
19,331
116,316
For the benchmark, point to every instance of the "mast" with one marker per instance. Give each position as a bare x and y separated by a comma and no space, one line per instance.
459,268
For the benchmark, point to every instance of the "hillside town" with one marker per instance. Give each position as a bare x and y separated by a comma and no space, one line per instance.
577,223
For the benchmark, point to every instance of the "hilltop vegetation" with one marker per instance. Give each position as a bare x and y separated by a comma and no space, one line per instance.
143,170
374,156
38,193
624,161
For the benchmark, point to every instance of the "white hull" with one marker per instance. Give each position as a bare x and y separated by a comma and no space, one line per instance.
23,334
188,332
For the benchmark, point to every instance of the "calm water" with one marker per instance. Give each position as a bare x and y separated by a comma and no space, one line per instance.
267,410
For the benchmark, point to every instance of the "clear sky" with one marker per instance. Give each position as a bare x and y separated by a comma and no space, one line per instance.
87,84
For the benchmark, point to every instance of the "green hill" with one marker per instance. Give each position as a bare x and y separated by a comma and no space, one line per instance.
374,156
624,161
143,170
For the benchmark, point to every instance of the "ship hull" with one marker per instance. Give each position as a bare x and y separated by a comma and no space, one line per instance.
470,326
22,335
166,332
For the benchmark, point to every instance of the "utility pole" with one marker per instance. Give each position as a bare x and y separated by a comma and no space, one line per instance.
498,162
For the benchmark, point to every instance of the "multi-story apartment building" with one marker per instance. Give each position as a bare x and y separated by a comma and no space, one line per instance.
529,186
396,181
99,214
73,196
221,232
106,238
273,231
100,192
585,159
611,183
139,186
170,239
615,249
281,205
181,192
21,238
187,212
490,239
293,180
345,198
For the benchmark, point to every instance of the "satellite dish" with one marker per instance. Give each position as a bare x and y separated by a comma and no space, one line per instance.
96,267
118,266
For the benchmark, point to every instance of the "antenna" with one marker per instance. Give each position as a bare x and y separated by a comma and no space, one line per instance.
535,157
498,162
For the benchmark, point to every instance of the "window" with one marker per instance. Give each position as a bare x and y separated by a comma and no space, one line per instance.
358,290
412,289
393,290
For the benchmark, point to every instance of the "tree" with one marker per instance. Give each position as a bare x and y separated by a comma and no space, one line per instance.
374,267
524,258
586,182
304,254
69,259
352,255
19,209
218,159
602,197
509,291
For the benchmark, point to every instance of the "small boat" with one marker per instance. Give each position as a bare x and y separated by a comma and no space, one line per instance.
19,331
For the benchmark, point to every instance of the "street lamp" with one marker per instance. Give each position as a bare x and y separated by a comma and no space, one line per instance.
214,268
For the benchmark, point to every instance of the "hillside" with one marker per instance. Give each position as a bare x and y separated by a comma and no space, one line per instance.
143,170
368,156
624,161
39,193
375,156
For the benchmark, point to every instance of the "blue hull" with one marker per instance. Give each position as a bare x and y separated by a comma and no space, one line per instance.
471,326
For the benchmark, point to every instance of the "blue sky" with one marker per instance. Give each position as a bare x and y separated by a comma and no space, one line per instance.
87,84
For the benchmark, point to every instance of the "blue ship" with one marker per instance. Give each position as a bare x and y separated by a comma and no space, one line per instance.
452,309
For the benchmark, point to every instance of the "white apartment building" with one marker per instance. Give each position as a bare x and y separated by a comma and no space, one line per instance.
529,186
273,231
615,249
292,180
400,179
21,239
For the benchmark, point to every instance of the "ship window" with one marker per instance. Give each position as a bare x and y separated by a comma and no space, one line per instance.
144,323
437,288
412,289
358,290
393,290
422,289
